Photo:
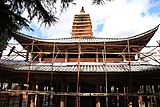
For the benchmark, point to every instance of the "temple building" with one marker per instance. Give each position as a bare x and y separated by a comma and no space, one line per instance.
80,71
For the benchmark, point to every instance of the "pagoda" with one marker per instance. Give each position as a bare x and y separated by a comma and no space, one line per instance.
80,71
82,26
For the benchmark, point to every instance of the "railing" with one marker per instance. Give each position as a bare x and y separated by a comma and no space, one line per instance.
31,92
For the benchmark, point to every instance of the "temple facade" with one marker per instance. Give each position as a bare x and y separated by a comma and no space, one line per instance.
80,71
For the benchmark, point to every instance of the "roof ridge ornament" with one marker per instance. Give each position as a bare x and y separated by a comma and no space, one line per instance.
82,10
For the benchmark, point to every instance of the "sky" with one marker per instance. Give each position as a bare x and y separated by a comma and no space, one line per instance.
115,19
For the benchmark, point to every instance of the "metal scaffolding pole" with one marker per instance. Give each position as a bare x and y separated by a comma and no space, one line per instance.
78,76
28,75
53,58
106,77
130,75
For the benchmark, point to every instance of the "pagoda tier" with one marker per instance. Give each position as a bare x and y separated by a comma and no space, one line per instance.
82,26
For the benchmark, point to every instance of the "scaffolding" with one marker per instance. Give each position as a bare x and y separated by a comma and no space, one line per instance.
152,95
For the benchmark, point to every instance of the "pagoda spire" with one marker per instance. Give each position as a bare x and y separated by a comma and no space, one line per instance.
82,10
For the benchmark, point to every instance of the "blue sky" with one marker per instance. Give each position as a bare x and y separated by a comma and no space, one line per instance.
155,7
115,19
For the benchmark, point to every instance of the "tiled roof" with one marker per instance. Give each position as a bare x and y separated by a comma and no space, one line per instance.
86,40
84,67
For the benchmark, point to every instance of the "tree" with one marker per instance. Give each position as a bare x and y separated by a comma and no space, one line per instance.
11,19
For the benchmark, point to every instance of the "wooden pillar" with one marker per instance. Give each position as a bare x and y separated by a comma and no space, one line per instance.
124,57
1,85
56,97
122,98
157,97
66,55
108,99
6,104
130,98
98,104
139,59
40,57
39,102
115,97
27,55
28,96
49,96
1,54
97,55
140,98
7,95
125,97
62,102
63,98
135,98
32,101
9,85
21,95
145,97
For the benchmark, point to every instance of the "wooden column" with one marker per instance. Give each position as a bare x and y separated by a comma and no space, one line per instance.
121,98
28,96
63,98
1,54
108,99
139,59
9,85
124,57
39,102
140,98
97,55
129,102
62,102
27,55
157,97
32,101
66,55
135,98
21,95
1,85
98,104
115,97
57,97
125,97
7,95
49,96
145,97
6,104
40,57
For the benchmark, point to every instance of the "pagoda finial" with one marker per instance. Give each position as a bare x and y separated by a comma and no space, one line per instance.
82,10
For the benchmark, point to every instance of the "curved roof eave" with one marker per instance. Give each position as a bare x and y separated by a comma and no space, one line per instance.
22,38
